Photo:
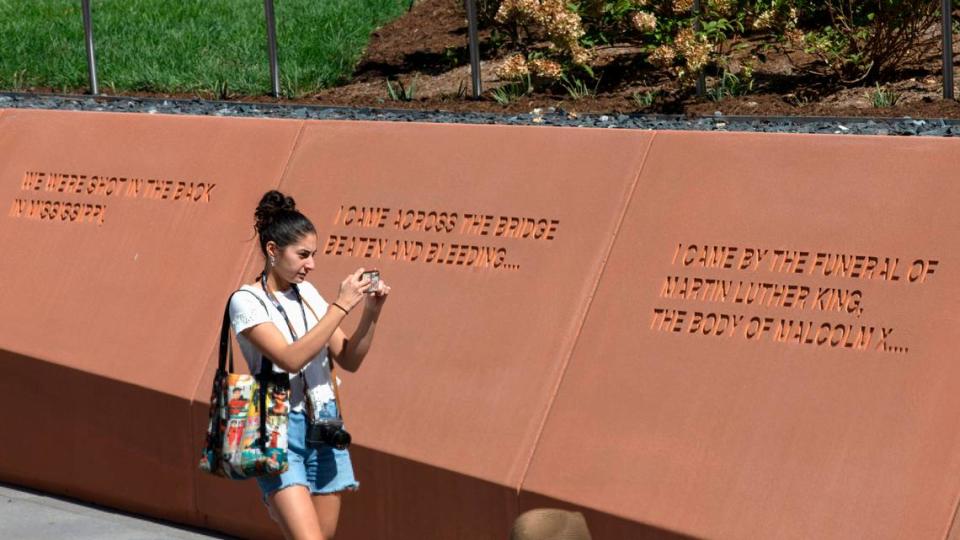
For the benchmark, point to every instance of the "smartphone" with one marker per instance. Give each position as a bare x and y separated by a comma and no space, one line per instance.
374,277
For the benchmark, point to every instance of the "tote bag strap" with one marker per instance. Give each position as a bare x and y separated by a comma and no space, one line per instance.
226,351
225,348
266,366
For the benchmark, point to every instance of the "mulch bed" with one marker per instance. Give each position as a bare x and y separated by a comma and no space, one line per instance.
427,47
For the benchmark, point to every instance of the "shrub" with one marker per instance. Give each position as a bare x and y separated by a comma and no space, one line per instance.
551,19
553,40
853,40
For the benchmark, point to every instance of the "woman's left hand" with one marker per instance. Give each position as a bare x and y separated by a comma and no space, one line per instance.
376,297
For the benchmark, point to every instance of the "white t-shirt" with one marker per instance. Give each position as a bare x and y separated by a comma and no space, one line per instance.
247,312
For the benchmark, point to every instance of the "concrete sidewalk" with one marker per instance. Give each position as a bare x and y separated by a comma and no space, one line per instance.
29,515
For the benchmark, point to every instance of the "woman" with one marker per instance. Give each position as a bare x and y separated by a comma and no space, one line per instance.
286,320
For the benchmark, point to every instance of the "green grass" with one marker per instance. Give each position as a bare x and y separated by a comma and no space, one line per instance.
193,46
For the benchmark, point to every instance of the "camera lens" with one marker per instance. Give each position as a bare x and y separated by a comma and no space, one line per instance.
340,439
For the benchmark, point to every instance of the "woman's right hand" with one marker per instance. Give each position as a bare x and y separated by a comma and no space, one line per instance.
353,289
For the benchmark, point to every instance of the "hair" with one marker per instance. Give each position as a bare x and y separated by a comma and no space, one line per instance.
279,221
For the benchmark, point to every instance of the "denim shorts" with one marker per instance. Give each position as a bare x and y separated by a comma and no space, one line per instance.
322,470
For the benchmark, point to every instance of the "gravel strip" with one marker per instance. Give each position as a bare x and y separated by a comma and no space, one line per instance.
544,117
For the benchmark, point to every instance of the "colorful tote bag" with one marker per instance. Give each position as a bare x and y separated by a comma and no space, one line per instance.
247,434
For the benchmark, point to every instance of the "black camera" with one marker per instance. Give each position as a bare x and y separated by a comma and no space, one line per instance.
328,431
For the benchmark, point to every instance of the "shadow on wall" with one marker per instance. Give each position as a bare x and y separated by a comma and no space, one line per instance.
127,447
115,444
602,526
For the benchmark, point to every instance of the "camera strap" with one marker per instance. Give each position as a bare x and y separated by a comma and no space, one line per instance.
293,334
283,312
333,378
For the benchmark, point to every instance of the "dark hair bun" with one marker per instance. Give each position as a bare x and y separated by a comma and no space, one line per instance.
279,221
271,204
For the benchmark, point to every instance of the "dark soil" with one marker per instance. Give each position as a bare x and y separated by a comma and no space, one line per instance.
427,48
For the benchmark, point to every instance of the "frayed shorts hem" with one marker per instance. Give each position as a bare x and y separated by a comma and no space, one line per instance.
322,470
313,491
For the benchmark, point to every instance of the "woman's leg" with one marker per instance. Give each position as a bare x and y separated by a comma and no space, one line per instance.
292,509
327,509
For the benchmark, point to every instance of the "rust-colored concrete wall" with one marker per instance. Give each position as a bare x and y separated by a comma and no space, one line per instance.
521,361
722,430
110,302
486,306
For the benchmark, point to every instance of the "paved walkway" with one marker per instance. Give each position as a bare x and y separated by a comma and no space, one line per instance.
30,515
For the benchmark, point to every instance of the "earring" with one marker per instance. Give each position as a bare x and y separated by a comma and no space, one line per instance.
273,261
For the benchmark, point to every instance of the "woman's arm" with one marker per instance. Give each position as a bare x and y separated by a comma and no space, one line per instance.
292,357
350,352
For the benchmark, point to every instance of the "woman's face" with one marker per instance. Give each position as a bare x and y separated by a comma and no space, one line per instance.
295,260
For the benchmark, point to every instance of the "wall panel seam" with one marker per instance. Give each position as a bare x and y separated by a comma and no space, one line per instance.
236,284
952,531
584,313
293,151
